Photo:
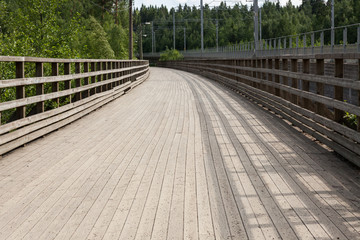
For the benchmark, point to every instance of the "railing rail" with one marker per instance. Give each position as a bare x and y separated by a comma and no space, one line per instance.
317,93
346,40
40,95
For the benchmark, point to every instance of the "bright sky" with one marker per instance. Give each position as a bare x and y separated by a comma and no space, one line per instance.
175,3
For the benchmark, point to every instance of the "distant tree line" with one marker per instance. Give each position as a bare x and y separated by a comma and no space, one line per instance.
235,23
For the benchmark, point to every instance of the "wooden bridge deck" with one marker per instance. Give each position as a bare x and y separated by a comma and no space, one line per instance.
179,157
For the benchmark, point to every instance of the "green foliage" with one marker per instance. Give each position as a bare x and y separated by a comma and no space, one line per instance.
351,120
236,23
170,55
59,29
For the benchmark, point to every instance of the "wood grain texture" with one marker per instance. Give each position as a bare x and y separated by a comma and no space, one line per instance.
178,157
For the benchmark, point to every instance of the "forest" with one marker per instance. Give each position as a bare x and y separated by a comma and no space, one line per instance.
236,24
99,28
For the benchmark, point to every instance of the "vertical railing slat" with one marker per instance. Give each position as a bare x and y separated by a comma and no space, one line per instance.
339,91
55,85
67,71
20,90
40,86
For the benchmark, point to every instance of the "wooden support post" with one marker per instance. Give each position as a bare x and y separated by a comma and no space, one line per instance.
99,77
284,93
270,76
305,103
358,117
104,68
276,78
86,93
77,81
55,85
264,75
114,75
67,71
93,78
40,87
109,67
20,90
339,91
254,73
320,108
294,81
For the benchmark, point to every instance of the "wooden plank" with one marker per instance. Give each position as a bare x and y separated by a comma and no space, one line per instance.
39,87
20,90
55,85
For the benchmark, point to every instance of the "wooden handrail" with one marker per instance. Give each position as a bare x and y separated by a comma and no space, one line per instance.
91,84
277,83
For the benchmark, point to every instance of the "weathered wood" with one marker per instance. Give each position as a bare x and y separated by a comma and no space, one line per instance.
39,87
306,84
294,81
35,99
85,94
347,146
20,90
77,81
339,91
55,85
93,78
31,81
67,83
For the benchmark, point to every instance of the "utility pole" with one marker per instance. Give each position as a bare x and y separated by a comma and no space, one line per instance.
256,22
184,39
332,25
202,25
130,31
217,35
260,25
174,28
152,37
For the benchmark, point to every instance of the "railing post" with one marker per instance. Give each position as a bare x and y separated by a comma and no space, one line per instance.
320,108
297,44
86,80
55,85
322,42
294,81
40,86
358,117
312,43
109,67
99,77
344,39
77,81
305,103
20,90
284,93
93,78
304,43
358,42
104,68
269,75
277,67
114,75
339,91
67,70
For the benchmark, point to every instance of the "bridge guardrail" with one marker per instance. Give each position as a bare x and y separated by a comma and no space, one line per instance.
315,93
49,93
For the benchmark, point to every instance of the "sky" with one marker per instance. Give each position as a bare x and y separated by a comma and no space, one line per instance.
175,3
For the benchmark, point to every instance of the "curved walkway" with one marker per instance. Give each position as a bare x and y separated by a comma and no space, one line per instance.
179,157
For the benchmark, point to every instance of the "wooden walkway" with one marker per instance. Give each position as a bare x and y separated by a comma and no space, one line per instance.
179,157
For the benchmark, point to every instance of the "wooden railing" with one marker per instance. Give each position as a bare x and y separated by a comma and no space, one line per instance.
46,94
316,93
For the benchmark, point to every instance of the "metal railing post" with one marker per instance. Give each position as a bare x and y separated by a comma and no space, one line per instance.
344,38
